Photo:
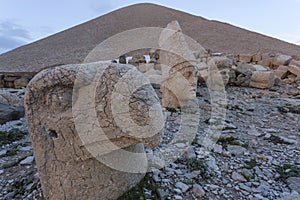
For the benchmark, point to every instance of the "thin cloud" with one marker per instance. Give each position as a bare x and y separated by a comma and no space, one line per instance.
100,8
292,37
12,36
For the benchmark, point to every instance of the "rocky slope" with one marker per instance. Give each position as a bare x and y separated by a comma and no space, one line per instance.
256,157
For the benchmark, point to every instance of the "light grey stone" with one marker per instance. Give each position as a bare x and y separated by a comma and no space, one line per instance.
238,177
294,183
198,190
182,186
27,161
236,149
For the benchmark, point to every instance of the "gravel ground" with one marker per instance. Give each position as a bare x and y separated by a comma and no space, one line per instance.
256,157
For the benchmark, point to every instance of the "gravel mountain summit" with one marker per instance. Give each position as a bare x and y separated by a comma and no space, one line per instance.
72,45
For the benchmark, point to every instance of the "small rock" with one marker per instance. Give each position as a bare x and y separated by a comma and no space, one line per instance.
213,187
1,171
190,153
193,174
229,127
290,197
177,197
156,178
258,196
161,193
211,163
236,150
180,145
271,130
165,180
244,187
288,140
253,132
27,148
263,187
218,148
29,187
247,173
10,195
294,183
268,136
178,191
3,152
27,161
184,187
198,190
178,172
238,177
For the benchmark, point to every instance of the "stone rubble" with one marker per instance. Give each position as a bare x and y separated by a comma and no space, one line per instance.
255,174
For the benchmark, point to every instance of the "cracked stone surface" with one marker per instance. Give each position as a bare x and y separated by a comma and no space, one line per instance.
66,168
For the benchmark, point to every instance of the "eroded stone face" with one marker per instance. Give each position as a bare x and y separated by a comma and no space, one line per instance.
67,167
178,68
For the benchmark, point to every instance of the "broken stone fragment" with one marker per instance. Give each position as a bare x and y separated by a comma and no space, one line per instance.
247,58
294,69
281,71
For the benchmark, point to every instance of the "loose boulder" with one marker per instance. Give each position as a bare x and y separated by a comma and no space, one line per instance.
262,79
9,113
294,70
11,97
247,58
281,60
282,71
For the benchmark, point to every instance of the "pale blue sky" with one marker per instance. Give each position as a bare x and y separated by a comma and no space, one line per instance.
25,21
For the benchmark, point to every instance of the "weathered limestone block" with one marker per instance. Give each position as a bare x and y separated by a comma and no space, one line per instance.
178,68
247,58
281,72
243,79
11,78
295,63
266,60
280,60
137,59
144,67
223,62
262,79
11,98
256,58
260,68
20,83
243,67
75,121
294,69
252,67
